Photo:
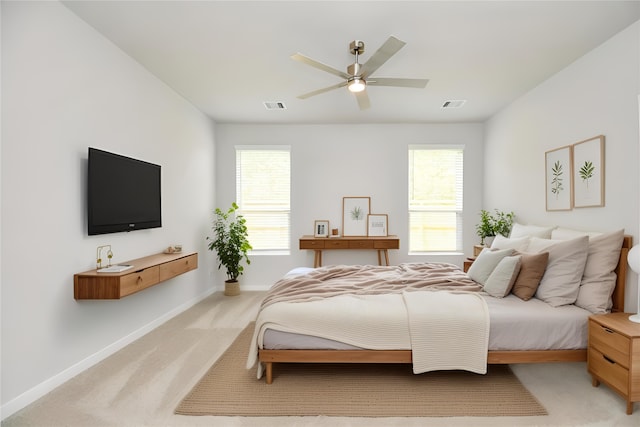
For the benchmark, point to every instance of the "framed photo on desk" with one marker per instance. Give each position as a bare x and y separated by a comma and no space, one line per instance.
321,228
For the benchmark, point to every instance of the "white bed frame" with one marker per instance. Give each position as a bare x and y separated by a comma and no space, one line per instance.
270,357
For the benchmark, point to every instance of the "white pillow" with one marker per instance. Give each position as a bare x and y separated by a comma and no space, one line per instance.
599,278
561,233
503,277
561,280
519,243
484,264
537,244
519,230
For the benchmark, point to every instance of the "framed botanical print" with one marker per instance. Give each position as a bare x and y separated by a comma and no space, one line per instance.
588,173
558,184
354,215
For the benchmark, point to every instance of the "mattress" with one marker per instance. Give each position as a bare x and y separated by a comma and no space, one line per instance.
514,325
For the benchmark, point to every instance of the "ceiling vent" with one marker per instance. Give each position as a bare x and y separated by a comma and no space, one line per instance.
456,103
274,105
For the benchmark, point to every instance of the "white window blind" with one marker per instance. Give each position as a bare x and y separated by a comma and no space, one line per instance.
263,187
435,198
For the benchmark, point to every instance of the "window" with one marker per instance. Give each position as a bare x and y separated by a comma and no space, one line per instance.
263,176
435,198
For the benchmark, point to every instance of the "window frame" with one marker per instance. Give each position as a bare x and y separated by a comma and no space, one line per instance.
459,204
241,211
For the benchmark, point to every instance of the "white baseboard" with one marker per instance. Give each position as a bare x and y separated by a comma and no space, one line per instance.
49,385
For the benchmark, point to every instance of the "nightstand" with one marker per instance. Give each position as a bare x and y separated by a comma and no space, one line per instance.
614,355
467,263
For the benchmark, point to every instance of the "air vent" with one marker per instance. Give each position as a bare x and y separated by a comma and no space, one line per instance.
274,105
456,103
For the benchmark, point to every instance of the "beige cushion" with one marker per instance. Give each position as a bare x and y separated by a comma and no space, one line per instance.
520,230
484,264
501,279
561,280
599,278
532,267
518,243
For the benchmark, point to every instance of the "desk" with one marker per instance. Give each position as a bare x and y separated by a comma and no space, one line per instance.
379,243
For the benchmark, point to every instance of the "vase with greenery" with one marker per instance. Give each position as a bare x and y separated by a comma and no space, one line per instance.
231,243
492,225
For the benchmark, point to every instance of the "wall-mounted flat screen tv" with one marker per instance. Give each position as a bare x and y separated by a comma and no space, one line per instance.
123,193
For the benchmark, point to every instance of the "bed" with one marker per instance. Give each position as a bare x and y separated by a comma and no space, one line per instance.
287,328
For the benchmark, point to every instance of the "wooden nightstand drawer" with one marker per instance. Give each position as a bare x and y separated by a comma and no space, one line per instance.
614,355
361,244
336,244
614,374
609,342
312,244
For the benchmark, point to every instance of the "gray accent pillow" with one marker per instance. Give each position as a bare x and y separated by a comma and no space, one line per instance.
503,277
484,264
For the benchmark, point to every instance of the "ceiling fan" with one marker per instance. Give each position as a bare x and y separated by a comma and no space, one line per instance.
358,76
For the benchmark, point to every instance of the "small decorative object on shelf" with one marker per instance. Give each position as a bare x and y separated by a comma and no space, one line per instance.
99,255
173,249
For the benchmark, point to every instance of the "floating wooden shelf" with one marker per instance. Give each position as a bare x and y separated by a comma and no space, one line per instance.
146,272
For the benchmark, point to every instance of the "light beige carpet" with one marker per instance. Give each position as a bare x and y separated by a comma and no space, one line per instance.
354,390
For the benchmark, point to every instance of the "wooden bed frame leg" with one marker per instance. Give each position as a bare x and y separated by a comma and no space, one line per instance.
269,368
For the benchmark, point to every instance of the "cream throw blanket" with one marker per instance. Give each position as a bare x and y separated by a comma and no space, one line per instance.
448,331
382,308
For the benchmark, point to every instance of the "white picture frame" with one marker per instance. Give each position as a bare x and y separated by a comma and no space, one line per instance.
354,215
377,225
321,228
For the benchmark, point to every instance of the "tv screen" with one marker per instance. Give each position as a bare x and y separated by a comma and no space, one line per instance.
123,193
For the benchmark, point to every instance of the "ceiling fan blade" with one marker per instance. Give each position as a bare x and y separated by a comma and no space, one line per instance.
363,100
323,90
319,65
382,55
385,81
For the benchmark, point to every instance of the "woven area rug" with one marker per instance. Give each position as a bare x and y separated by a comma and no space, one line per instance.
359,390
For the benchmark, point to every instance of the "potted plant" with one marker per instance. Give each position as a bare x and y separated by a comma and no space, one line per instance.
230,241
491,225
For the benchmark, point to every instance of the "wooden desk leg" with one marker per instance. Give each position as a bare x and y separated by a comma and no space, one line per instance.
317,260
379,258
386,256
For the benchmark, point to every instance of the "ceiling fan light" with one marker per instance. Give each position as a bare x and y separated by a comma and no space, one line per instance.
357,85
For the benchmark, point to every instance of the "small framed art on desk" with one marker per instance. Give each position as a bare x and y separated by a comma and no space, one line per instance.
354,215
321,228
377,225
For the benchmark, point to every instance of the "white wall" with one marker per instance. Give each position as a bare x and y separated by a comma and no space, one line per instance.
64,88
333,161
597,94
